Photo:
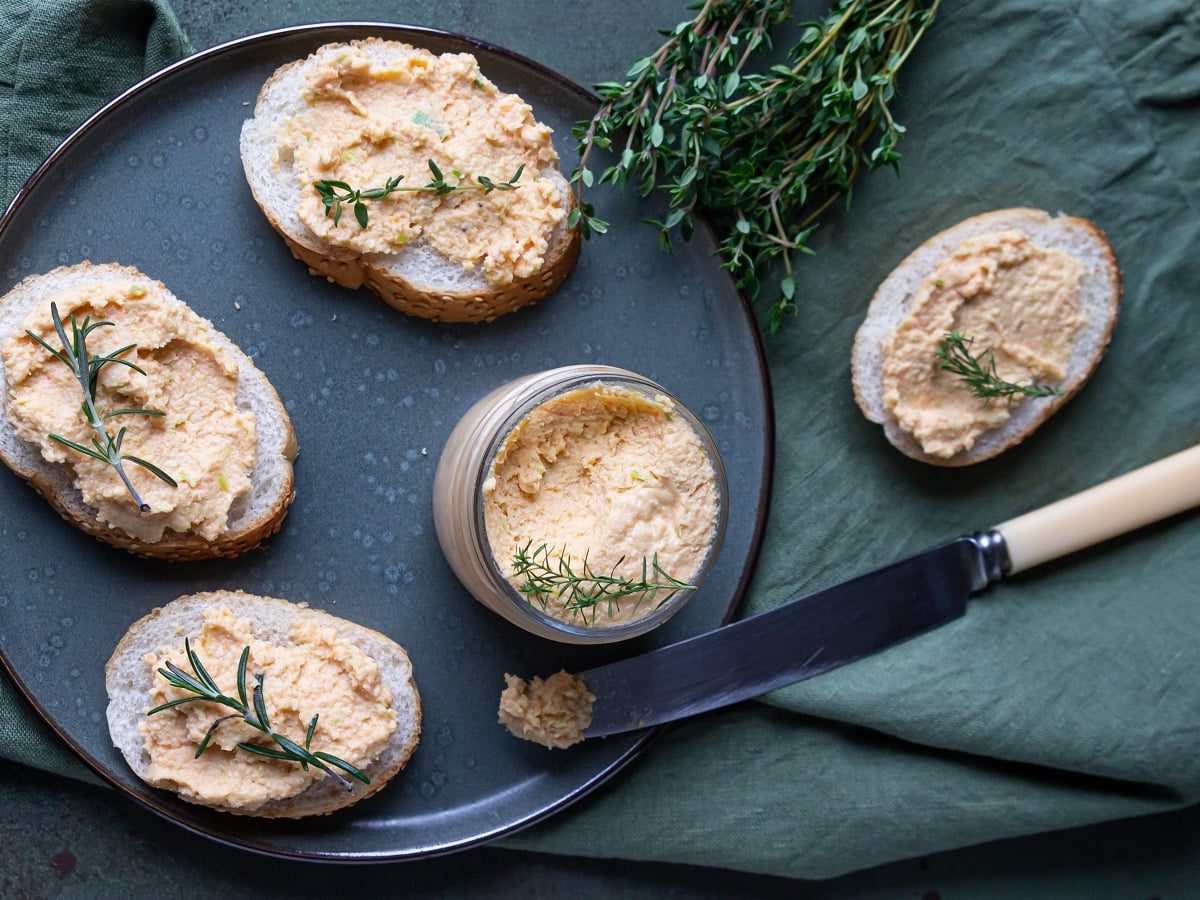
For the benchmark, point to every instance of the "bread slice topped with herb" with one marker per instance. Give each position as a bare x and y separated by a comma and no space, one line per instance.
138,420
386,165
985,331
261,707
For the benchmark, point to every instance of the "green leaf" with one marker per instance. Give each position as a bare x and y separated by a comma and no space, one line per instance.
360,213
182,678
596,226
132,412
639,67
260,706
241,677
289,746
59,439
171,704
656,134
151,468
198,667
57,355
100,361
344,766
208,735
268,752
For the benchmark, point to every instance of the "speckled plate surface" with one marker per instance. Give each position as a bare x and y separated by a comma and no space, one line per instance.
154,181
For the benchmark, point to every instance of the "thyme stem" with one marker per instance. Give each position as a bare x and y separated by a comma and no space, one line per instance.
548,574
86,369
979,372
764,154
253,713
336,194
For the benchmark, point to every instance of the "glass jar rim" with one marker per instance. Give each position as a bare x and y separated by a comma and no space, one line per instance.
574,380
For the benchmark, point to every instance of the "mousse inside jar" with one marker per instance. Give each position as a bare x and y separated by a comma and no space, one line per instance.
602,481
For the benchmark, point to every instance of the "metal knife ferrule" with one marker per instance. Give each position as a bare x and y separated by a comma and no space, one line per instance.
993,554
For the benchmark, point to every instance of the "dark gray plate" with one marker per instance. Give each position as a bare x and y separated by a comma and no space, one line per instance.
154,181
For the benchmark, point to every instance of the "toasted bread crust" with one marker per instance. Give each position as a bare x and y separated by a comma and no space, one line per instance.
350,270
441,307
345,629
173,546
1051,405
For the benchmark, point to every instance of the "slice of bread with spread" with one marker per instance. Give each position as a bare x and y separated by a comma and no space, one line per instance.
217,428
363,113
1043,290
305,665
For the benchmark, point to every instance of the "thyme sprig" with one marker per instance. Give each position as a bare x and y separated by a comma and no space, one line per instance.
765,154
336,195
979,372
549,574
105,447
251,709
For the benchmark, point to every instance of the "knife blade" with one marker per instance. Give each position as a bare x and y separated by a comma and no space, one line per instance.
830,628
800,639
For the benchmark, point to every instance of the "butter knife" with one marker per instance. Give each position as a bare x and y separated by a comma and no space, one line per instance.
830,628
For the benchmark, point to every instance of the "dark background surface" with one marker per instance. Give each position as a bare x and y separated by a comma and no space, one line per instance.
60,838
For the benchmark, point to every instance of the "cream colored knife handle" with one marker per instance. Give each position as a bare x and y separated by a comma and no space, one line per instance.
1130,501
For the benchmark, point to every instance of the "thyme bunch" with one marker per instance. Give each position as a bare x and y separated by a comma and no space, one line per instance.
105,447
336,195
979,372
764,154
251,709
583,589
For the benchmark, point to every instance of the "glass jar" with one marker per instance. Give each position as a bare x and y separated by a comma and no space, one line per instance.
458,500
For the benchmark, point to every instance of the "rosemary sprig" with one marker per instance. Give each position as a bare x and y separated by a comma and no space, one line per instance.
979,372
105,447
764,154
548,574
337,194
251,709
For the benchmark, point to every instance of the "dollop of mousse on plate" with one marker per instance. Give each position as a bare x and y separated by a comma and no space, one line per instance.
606,476
366,123
554,713
202,439
1006,295
314,672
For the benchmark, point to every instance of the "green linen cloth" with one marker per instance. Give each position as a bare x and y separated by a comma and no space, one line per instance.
1066,696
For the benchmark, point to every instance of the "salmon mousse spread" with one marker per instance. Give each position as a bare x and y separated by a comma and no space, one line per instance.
554,713
197,435
1007,296
367,126
595,492
315,673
